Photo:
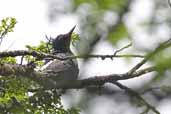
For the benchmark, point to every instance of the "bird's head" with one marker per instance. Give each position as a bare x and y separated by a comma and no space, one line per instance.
62,42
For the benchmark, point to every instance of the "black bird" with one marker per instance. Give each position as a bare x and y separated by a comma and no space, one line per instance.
62,72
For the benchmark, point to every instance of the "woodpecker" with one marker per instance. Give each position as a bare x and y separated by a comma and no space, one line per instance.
61,72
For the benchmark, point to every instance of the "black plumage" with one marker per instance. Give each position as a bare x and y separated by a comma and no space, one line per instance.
62,71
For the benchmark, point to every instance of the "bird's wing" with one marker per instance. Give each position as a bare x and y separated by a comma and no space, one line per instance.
58,66
59,70
66,69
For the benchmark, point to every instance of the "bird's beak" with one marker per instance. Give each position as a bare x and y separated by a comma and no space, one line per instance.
71,31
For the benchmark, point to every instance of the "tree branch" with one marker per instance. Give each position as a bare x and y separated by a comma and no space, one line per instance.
161,47
44,55
135,94
42,78
121,49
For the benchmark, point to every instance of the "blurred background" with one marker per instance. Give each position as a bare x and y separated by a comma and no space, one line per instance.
103,27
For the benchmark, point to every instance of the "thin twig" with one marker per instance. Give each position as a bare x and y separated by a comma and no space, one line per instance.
145,111
44,55
105,56
119,50
137,66
150,89
138,73
162,46
135,94
22,58
50,40
3,34
169,3
10,45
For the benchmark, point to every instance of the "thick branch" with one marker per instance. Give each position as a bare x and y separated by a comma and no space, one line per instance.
42,79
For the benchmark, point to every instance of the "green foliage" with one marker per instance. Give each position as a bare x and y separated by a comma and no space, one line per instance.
162,61
79,2
164,64
95,22
16,97
19,95
102,4
73,111
75,38
44,47
10,60
118,34
22,96
46,102
111,4
7,25
14,91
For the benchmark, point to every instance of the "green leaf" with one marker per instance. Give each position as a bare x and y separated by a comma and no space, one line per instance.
103,4
78,2
7,25
42,47
111,4
10,60
75,38
119,33
162,61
